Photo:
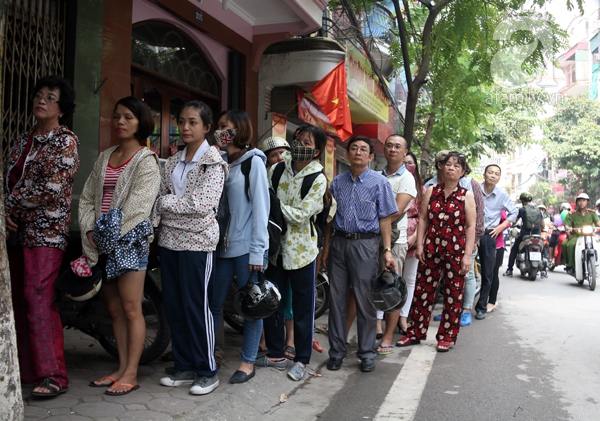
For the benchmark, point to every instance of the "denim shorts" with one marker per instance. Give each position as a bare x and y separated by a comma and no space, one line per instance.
102,263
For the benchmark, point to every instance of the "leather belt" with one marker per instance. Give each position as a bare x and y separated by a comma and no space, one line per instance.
354,235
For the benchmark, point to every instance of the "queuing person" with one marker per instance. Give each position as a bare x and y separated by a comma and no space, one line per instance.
126,177
411,263
471,185
495,201
582,216
191,186
39,170
351,249
245,250
296,262
492,304
527,228
445,242
403,187
274,148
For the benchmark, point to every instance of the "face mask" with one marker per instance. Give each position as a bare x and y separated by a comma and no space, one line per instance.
411,168
301,153
224,138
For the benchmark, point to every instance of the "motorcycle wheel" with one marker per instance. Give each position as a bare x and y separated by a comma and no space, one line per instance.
322,296
532,274
234,320
158,333
591,267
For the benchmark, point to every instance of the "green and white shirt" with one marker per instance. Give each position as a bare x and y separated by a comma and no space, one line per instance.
299,247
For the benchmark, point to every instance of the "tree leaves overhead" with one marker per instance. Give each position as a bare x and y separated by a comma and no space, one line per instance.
459,57
573,142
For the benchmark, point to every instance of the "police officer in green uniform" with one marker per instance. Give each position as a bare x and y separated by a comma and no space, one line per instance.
582,216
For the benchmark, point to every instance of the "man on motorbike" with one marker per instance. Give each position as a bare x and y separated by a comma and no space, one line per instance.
526,230
582,216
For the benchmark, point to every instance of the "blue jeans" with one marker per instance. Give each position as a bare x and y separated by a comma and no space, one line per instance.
470,284
225,270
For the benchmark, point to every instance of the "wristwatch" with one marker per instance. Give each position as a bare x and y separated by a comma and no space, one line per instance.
386,250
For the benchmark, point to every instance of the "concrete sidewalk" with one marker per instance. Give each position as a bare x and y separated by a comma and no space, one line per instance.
87,361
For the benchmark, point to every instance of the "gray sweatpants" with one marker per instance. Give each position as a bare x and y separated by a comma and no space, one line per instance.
352,263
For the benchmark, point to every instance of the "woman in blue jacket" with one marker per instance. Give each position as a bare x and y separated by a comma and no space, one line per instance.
247,239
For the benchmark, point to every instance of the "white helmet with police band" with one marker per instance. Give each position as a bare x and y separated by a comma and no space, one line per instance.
582,196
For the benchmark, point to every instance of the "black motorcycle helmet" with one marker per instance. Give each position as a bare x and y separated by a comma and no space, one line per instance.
79,288
257,301
389,292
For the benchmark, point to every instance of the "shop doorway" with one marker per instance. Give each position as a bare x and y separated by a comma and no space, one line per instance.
167,72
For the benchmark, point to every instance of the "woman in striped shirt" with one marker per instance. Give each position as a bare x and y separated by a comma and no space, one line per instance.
126,176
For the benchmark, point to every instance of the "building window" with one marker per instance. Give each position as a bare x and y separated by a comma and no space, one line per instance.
164,51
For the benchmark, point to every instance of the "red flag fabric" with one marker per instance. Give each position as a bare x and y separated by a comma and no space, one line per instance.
331,93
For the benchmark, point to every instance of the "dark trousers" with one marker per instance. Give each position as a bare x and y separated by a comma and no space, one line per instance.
515,248
487,259
40,340
352,263
186,280
495,278
302,282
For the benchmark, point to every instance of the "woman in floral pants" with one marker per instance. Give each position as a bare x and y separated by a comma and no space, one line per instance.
445,239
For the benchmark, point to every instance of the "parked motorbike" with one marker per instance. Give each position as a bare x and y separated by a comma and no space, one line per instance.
322,299
529,258
586,255
92,317
514,233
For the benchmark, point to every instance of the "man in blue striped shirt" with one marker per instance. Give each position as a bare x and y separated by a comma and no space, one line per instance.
365,204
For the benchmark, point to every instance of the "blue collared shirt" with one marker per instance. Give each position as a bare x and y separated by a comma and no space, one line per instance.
362,202
495,202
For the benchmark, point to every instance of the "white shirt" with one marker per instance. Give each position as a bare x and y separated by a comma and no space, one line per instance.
179,177
402,184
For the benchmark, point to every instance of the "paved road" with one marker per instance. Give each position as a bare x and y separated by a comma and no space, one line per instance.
536,358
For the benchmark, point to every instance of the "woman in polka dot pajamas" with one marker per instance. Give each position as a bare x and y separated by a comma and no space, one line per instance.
445,238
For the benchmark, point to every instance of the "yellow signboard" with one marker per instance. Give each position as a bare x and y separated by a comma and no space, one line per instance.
363,87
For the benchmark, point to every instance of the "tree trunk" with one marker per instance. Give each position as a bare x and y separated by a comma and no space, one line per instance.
11,400
425,152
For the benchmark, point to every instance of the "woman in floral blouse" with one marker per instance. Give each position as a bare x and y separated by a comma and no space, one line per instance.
299,249
39,171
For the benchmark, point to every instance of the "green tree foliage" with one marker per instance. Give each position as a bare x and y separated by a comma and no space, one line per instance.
573,142
543,195
456,55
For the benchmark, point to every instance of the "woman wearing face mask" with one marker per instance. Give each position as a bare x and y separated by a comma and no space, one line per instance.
296,263
411,263
244,252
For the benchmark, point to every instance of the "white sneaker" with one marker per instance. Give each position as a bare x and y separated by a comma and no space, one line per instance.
179,378
204,385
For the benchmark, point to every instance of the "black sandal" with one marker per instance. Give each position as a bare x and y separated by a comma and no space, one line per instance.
53,386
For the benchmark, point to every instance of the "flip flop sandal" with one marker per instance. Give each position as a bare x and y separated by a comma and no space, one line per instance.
94,384
322,329
317,346
406,341
52,385
385,349
117,384
289,352
443,346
